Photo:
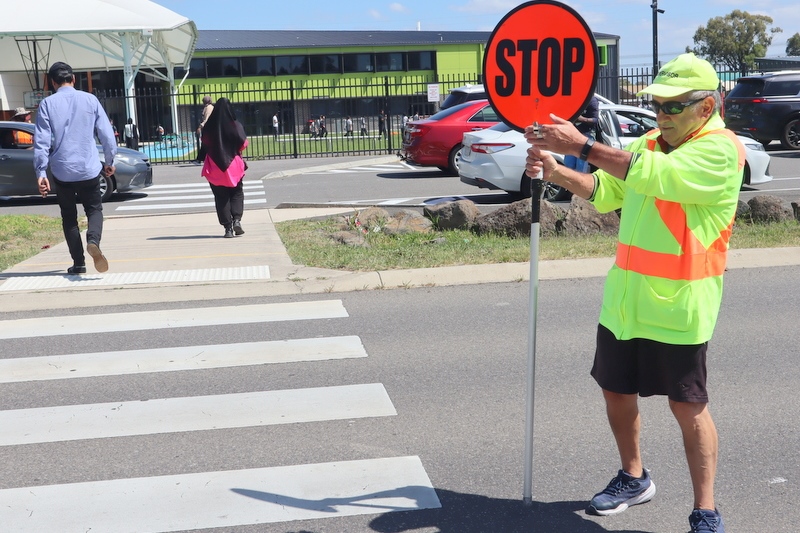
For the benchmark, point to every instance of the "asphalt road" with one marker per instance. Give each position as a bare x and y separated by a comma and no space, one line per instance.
180,188
452,362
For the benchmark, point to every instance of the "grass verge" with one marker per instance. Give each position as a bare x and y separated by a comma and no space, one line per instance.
312,243
23,236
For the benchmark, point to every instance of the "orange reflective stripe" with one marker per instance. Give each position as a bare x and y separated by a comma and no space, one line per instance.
695,260
687,267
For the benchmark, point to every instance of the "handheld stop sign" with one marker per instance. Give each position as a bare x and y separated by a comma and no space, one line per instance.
541,58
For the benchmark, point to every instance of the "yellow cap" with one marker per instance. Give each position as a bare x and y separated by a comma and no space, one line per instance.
683,74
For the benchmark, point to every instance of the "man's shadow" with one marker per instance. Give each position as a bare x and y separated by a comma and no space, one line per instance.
471,513
459,513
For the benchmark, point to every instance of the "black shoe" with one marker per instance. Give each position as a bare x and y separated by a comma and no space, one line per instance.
228,233
100,262
237,227
77,269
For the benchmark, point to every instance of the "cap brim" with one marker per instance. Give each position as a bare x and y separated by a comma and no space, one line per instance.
663,91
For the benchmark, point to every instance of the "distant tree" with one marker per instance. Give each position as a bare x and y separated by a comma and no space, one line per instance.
734,40
793,45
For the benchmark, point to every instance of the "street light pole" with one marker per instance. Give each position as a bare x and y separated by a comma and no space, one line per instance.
656,11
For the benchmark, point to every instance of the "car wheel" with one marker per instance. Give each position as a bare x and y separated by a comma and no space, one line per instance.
106,188
791,134
454,160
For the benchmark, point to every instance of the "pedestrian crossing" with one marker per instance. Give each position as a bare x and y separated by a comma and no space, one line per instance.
194,500
186,196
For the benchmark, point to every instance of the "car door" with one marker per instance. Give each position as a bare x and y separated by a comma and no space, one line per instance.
16,166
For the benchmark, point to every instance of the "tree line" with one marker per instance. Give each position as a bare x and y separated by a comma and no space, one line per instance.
737,39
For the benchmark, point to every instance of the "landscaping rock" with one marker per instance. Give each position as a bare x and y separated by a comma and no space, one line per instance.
407,221
350,238
460,214
515,219
583,219
764,208
373,216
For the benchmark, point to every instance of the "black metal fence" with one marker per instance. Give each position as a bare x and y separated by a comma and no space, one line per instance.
295,105
298,104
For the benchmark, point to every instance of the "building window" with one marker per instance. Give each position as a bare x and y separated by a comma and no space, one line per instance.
358,63
223,67
421,61
326,64
286,65
197,68
258,66
389,62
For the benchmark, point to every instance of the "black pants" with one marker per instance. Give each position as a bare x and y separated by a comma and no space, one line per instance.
69,194
229,202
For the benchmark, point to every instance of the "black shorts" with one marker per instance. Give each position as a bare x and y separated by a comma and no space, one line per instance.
646,368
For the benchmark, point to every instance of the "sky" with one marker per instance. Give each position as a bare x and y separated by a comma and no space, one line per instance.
632,20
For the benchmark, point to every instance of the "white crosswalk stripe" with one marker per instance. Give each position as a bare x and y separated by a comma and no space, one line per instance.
184,318
172,415
197,500
220,499
123,362
188,196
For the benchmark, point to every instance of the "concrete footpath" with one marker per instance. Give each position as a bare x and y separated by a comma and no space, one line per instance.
183,257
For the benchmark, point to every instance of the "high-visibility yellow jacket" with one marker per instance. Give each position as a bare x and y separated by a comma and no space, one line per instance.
678,207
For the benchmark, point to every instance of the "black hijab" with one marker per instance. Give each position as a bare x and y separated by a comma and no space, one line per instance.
223,136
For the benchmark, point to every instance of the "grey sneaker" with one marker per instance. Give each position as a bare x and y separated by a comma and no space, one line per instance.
622,492
705,521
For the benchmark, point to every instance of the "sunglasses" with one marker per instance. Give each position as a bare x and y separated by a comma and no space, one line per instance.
672,108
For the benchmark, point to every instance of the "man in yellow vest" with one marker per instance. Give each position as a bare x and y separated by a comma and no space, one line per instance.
678,188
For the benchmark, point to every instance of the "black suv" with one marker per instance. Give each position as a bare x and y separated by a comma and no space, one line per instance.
766,107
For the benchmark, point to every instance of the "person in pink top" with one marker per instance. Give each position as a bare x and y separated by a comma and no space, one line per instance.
223,167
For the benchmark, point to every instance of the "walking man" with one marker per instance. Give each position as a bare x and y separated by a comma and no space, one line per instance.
678,188
64,140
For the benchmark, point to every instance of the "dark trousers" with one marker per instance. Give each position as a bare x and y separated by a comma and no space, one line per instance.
87,193
229,202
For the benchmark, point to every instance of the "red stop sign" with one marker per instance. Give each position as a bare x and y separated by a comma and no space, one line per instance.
541,58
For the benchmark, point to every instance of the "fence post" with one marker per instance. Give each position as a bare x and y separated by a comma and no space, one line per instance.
293,112
388,115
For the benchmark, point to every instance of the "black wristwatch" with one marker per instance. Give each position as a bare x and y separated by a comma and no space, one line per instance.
586,149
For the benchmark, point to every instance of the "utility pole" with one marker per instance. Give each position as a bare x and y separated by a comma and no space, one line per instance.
656,11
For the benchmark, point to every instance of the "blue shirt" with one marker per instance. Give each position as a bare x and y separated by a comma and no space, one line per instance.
66,124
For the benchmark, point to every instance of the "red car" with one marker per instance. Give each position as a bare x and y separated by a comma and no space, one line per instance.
436,141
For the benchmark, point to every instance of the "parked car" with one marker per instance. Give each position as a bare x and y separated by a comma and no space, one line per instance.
495,158
17,176
766,107
436,141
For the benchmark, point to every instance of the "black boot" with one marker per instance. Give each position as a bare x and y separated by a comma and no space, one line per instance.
228,232
237,227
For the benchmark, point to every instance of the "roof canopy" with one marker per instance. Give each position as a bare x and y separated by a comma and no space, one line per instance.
93,35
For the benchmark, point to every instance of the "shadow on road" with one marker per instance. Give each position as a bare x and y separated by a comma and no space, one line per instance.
470,513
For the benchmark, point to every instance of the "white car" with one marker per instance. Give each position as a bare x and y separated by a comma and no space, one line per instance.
494,158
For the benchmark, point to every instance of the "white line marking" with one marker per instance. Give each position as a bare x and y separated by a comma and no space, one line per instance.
225,499
180,206
119,363
170,318
60,281
195,413
203,185
172,197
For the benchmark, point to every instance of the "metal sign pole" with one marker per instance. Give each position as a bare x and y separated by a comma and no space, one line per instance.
537,188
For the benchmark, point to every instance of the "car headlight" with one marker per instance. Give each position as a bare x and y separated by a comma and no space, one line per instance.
758,147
